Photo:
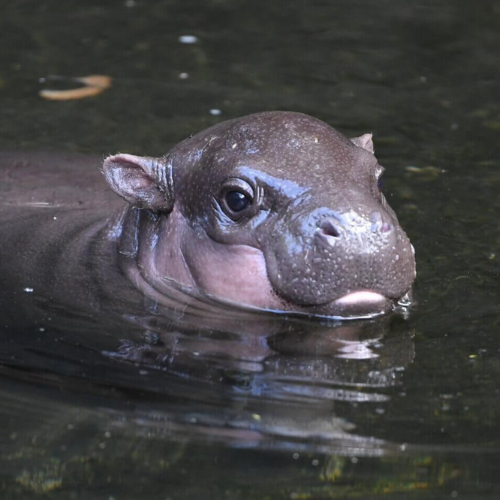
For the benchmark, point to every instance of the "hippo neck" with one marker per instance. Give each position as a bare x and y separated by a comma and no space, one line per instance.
150,252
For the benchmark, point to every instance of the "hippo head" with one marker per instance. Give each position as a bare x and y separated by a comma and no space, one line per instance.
274,210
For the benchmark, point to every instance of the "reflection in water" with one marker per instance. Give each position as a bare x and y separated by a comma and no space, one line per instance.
283,376
171,382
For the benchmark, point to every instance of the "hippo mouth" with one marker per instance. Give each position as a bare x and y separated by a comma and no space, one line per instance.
362,297
363,303
360,304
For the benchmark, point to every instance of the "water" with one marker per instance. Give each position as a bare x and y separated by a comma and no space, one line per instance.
157,406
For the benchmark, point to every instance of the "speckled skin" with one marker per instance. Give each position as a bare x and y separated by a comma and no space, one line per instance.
318,228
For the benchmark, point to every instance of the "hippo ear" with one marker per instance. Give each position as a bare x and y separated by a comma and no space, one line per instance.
144,182
364,141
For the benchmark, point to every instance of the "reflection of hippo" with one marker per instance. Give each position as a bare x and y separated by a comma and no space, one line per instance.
274,210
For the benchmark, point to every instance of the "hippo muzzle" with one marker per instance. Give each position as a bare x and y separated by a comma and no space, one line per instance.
339,260
275,210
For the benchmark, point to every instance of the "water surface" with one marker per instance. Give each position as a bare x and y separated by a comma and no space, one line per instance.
177,405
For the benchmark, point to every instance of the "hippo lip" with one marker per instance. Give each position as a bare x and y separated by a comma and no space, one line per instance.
362,297
361,304
358,304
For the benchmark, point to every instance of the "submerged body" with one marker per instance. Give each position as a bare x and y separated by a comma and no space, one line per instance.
272,211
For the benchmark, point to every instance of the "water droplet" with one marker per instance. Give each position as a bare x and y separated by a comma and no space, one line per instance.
188,39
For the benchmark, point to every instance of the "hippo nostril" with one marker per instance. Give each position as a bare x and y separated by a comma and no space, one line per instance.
329,231
330,227
377,225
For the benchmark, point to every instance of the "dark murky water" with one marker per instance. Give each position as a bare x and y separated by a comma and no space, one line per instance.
177,405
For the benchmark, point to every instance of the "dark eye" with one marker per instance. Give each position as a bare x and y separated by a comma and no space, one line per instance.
379,183
237,201
237,198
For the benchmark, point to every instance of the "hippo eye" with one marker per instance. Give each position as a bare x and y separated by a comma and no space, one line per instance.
237,201
236,197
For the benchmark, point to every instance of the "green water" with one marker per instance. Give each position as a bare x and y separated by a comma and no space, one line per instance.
418,421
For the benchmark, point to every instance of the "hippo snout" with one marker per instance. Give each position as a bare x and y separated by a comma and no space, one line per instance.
323,256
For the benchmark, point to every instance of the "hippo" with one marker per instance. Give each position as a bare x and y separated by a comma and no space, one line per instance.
275,211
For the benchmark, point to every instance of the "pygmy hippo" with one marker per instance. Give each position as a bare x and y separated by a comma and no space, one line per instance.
274,210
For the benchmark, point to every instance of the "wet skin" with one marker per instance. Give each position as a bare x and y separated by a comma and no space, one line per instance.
275,210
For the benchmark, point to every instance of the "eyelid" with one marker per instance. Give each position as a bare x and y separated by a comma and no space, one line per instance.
235,184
